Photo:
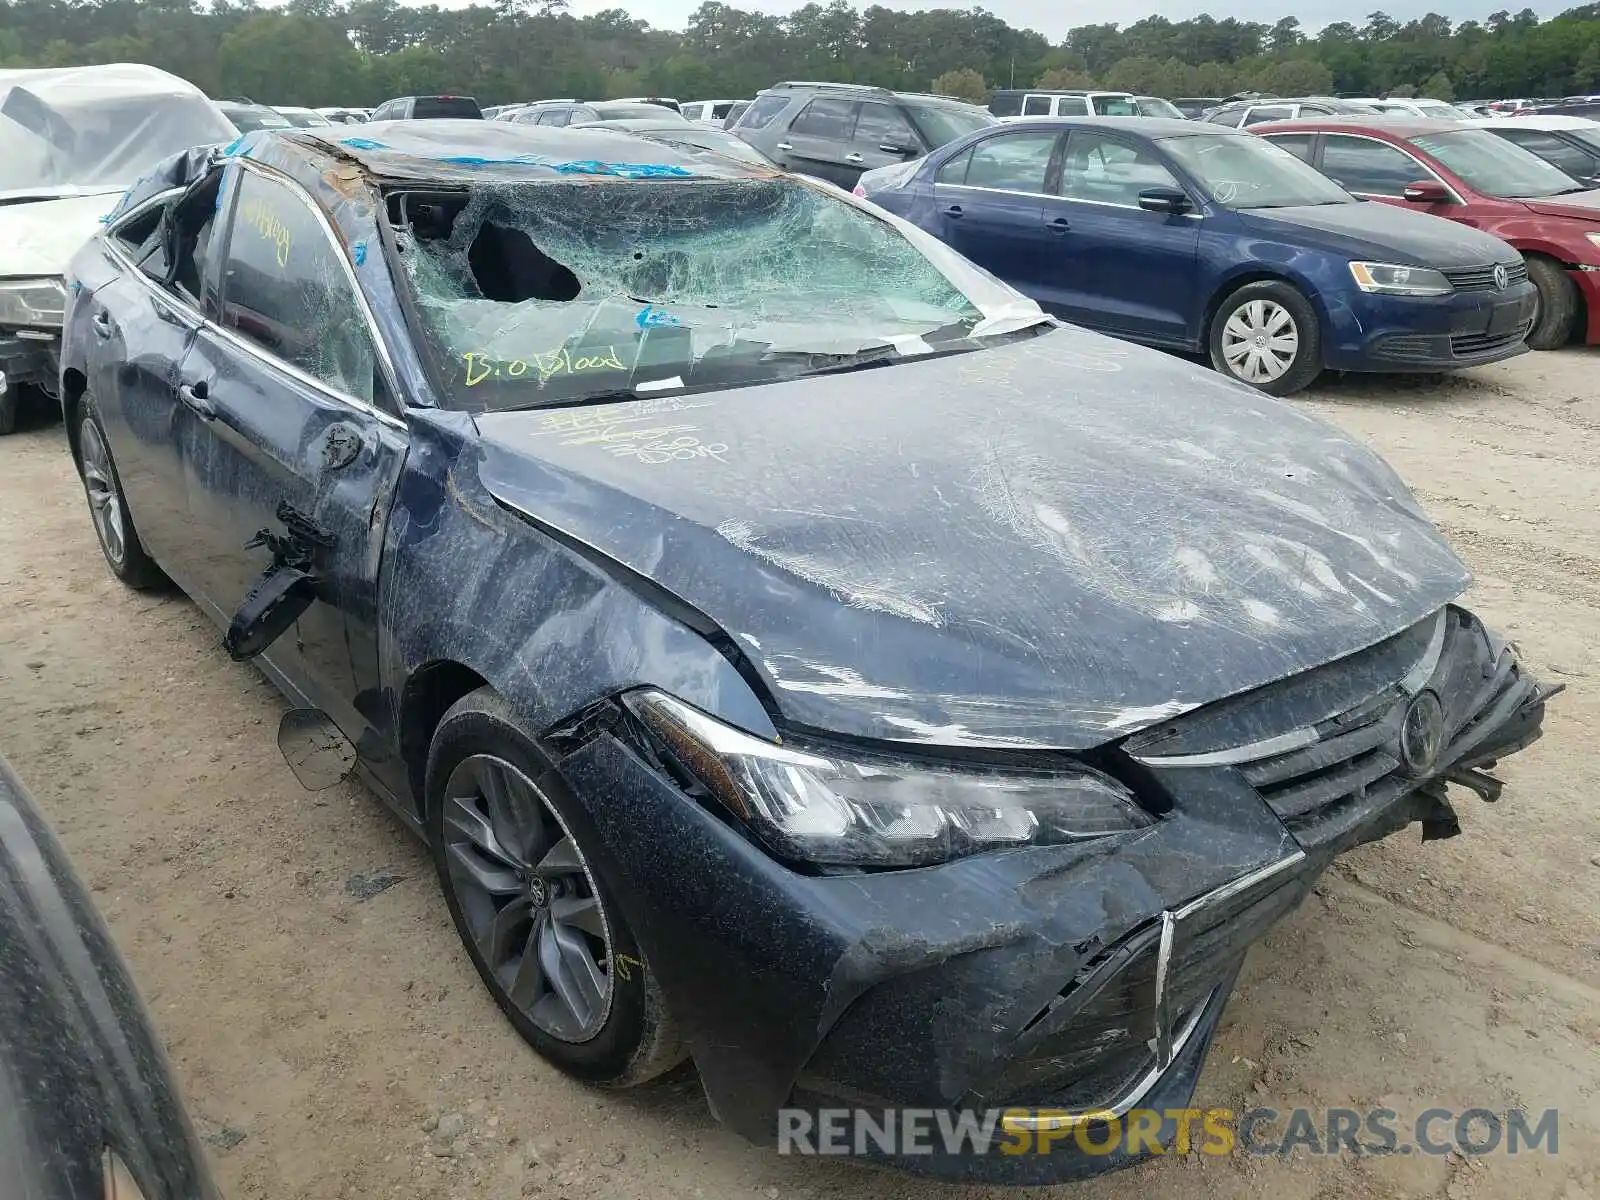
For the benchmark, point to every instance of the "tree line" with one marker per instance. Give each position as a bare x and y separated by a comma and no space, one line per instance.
323,52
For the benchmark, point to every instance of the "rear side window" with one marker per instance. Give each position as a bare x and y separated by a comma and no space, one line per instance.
826,118
1072,106
1116,106
1268,112
554,116
1297,144
1018,162
1371,168
1229,117
763,112
880,125
286,290
436,107
1006,104
1036,106
1552,149
719,111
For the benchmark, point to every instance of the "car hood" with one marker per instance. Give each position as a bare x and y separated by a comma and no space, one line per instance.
1374,229
1051,543
39,237
1585,206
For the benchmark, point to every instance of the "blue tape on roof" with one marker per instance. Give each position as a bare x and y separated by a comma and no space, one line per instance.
232,147
360,143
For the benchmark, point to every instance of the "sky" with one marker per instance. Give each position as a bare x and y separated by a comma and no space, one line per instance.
1054,17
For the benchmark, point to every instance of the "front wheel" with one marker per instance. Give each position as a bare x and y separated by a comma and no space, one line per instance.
1266,334
1556,308
511,846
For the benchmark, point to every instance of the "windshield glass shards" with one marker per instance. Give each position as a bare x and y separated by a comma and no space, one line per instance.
533,294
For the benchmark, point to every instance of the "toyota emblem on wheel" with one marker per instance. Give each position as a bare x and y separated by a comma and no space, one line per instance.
1422,734
1502,278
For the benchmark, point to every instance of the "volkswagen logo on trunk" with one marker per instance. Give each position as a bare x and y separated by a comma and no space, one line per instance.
1422,734
1502,280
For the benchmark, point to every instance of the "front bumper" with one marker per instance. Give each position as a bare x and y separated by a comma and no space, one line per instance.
28,360
1076,978
1398,333
1587,281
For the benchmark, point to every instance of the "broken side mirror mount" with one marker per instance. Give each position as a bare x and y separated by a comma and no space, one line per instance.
275,603
320,755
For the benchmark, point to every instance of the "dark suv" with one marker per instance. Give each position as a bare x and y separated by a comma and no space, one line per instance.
424,108
836,131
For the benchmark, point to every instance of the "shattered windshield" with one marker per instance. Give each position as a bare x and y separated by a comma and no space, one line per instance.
531,294
93,127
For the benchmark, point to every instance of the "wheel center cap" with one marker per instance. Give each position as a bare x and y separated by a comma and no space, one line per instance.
538,892
1261,339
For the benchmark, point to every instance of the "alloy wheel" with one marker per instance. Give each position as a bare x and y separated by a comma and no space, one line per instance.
525,890
1260,341
105,501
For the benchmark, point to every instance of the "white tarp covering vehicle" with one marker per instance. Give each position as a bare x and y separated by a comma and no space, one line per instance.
71,139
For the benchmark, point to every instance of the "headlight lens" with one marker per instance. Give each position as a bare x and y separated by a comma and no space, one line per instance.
1390,279
32,303
862,812
1594,239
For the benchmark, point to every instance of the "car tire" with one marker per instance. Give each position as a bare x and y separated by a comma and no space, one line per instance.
1292,355
536,916
1557,309
10,407
108,510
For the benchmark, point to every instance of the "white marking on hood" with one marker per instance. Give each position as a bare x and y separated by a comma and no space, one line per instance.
1148,714
1261,612
837,681
842,581
1178,611
956,735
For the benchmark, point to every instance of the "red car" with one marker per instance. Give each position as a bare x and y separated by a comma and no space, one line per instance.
1469,175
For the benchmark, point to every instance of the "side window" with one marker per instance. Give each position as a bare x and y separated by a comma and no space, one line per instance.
286,290
1552,149
825,118
1297,144
1036,106
1369,167
880,125
955,169
552,116
1072,106
718,112
1230,117
1100,169
1268,112
763,112
1017,162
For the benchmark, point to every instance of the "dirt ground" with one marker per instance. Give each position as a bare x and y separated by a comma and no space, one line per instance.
332,1046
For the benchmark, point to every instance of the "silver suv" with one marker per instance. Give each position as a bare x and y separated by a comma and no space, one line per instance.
836,131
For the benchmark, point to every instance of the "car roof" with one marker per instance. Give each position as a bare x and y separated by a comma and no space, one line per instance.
1152,127
1390,123
649,125
1537,121
459,150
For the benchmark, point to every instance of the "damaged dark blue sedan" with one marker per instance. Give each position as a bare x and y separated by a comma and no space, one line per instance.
800,654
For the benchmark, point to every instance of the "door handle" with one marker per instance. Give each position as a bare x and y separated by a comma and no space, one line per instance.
953,210
783,146
197,396
103,326
1059,225
853,157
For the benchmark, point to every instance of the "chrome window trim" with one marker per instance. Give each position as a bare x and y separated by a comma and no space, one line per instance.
1428,171
139,209
386,363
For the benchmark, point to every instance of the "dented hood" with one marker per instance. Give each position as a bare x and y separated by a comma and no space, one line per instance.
1051,543
39,237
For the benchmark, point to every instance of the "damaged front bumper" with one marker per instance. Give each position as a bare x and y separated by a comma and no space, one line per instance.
1082,978
28,358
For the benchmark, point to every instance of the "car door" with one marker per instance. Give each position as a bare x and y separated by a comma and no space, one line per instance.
143,321
295,435
1119,267
989,205
819,141
883,136
1370,168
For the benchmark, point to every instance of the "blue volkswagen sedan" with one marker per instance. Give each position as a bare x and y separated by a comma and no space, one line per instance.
1203,239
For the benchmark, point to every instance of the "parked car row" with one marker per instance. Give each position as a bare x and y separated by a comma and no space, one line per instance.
669,539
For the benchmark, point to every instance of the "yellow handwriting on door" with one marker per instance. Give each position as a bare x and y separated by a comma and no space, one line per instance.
258,215
480,366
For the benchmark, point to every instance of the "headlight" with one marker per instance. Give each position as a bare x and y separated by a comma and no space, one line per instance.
32,303
1594,239
883,812
1388,279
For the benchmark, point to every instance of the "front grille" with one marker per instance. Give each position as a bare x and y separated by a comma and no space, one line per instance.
1481,279
1410,346
1467,344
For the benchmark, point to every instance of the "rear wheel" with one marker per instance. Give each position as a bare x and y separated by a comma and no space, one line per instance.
113,525
1266,334
1556,309
535,914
